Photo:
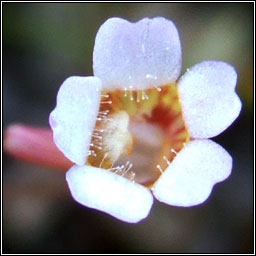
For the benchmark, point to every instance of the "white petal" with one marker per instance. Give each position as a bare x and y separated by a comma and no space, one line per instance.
208,98
190,177
137,55
74,117
108,192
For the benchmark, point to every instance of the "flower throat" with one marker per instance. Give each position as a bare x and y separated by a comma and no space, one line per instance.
113,139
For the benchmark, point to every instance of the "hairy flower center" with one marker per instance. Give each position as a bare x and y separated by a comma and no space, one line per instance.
142,131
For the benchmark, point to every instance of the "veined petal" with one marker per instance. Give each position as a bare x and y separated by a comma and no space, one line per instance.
191,175
137,55
108,192
74,117
208,98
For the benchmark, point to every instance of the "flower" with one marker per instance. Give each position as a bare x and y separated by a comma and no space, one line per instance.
136,67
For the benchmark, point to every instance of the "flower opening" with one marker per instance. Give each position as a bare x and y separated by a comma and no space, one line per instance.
119,112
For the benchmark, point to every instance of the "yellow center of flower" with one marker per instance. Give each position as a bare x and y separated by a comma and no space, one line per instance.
142,131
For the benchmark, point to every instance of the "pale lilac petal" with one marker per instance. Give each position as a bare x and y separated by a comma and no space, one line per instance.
190,177
74,117
208,98
137,55
108,192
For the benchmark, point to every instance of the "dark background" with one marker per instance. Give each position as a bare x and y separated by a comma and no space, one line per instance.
45,43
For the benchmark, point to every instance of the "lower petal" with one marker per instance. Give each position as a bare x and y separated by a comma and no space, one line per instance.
74,116
191,175
208,98
108,192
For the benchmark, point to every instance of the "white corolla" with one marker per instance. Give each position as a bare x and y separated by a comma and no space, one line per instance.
143,56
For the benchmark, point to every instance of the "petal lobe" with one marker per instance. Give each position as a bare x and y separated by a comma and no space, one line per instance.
207,93
191,175
108,192
74,116
140,55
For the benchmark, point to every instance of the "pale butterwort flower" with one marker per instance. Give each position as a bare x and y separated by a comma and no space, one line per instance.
136,84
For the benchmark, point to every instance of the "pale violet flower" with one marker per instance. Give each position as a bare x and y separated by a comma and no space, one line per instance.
138,57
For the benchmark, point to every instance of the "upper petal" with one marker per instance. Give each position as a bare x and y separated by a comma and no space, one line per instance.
74,117
191,175
108,192
137,55
208,98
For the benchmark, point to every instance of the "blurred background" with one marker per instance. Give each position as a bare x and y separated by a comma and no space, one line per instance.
44,43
